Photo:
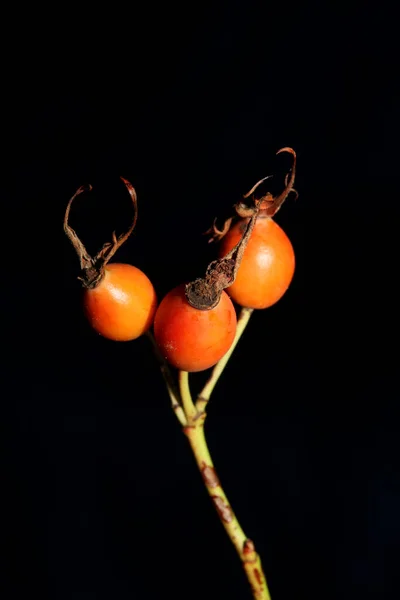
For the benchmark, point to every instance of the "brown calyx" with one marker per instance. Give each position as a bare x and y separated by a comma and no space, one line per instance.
268,204
93,268
205,293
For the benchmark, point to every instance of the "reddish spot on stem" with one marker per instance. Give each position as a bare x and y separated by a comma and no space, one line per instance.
248,547
223,509
188,430
257,575
210,476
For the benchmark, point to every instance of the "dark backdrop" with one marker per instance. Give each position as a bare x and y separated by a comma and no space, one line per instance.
102,498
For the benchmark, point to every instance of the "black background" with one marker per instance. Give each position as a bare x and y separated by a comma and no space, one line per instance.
191,103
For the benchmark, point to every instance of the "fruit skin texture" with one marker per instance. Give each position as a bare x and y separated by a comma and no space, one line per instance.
191,339
267,266
122,306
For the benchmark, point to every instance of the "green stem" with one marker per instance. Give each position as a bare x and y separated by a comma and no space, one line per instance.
169,381
245,548
192,418
207,390
186,397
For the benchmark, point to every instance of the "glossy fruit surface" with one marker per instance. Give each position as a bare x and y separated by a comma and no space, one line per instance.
267,266
122,306
191,339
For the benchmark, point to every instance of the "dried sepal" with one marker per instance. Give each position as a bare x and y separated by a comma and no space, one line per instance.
205,293
269,204
93,268
217,234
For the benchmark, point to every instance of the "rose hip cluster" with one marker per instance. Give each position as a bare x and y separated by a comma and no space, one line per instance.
195,323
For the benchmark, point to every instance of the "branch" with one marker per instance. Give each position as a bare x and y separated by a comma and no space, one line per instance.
245,548
207,390
169,381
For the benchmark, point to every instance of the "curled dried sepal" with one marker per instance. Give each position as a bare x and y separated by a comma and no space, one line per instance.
217,234
205,293
93,268
270,204
253,189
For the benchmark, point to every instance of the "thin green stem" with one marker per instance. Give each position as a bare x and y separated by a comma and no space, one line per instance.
206,392
169,381
187,402
192,417
245,548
